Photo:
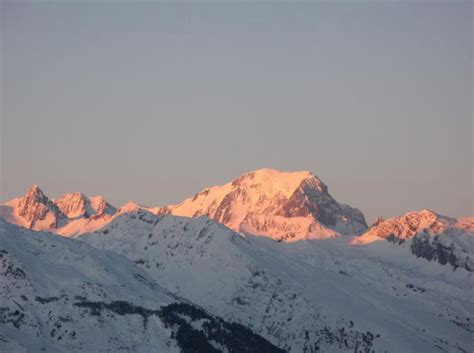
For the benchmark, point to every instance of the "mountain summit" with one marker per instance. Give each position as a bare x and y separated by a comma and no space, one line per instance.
286,206
75,205
34,210
71,214
428,235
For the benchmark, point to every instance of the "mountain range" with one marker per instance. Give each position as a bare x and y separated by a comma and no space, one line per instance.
271,252
286,206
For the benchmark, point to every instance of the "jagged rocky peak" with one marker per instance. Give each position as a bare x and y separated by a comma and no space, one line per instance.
35,192
77,205
71,214
35,206
101,206
131,207
34,195
73,205
428,235
282,205
410,224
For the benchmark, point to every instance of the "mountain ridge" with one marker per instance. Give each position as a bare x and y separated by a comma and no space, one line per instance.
429,235
291,292
286,206
405,283
61,295
67,215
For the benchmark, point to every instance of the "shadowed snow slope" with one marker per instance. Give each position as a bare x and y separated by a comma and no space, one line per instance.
286,206
62,295
307,296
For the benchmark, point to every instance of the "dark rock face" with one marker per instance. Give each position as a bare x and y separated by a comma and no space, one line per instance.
315,200
430,248
223,213
299,206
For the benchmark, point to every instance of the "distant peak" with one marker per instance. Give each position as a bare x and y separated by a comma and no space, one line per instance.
131,207
73,196
130,204
278,177
408,225
425,213
275,203
271,172
34,192
34,189
378,221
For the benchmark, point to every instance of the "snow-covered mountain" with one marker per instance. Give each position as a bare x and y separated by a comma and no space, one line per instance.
61,295
287,206
429,235
69,215
306,296
405,285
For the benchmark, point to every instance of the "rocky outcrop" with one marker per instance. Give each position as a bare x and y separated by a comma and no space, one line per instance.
430,236
35,207
442,250
77,205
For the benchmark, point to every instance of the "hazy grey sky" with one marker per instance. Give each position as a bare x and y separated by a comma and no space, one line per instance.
153,102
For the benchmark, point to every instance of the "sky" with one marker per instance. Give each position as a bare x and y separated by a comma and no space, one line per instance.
154,101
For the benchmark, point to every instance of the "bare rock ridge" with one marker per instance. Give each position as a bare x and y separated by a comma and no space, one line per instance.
66,215
430,236
78,205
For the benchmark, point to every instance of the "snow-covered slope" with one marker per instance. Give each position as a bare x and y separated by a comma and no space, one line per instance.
307,296
61,295
428,235
286,206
